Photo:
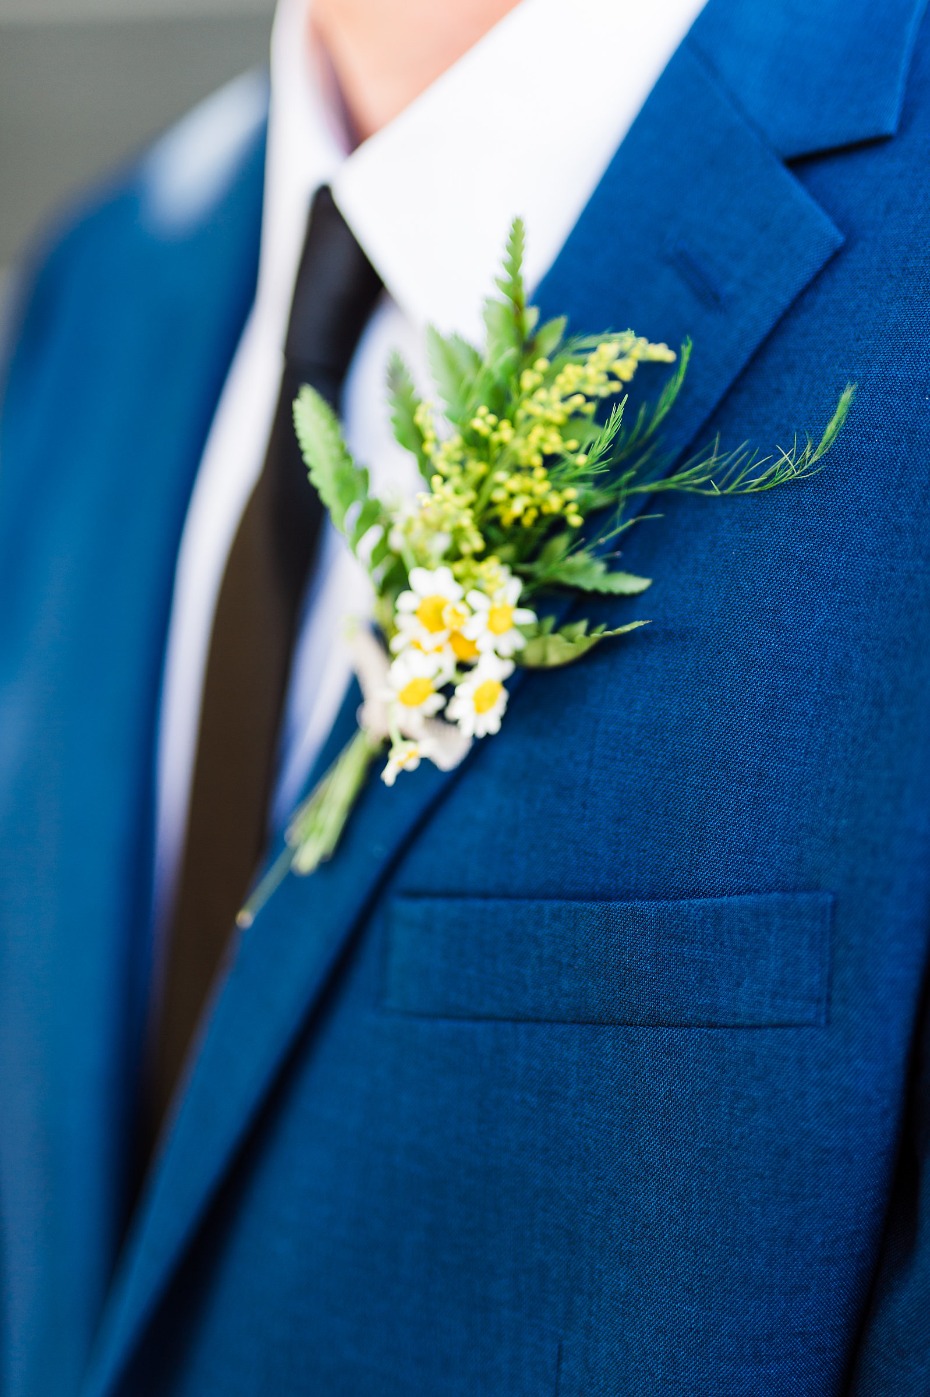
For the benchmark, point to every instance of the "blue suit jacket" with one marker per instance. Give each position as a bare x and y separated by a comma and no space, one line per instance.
599,1065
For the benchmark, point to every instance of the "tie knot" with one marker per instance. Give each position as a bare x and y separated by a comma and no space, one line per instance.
334,294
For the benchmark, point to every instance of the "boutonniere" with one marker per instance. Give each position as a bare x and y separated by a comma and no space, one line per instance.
528,466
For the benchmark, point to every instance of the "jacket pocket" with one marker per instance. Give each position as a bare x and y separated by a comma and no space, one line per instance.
761,960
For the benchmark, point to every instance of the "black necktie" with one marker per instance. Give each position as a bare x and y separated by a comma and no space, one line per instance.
253,633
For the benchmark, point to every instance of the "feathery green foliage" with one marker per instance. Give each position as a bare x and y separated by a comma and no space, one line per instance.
455,365
744,471
406,406
528,470
532,460
342,485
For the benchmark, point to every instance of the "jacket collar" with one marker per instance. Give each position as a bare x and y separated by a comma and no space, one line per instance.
697,228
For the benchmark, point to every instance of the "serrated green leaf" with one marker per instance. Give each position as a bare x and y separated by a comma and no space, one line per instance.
455,365
588,573
340,482
502,335
549,337
577,630
404,402
549,649
511,283
509,322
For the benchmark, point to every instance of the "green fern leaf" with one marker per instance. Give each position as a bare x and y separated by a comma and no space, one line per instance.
548,338
511,283
508,322
455,365
549,649
405,402
342,484
586,573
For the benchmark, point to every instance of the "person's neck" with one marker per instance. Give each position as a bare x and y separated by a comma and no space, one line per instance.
384,53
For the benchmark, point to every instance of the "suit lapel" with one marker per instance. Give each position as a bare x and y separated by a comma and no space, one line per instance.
112,361
696,229
813,75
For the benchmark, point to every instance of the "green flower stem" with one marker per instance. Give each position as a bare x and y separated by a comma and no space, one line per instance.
317,825
271,881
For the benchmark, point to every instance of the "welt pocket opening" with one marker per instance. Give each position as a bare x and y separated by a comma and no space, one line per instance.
760,960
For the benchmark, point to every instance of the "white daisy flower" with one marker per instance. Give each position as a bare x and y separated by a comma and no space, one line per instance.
405,756
495,619
414,681
430,611
480,700
462,648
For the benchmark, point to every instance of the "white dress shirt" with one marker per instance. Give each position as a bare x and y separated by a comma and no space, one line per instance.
525,123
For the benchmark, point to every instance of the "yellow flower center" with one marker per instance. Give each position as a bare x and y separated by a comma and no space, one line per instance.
486,695
415,692
500,619
462,647
430,613
454,616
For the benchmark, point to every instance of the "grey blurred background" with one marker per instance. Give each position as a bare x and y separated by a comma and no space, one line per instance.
84,83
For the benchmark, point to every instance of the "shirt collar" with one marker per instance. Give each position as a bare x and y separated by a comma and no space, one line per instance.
524,123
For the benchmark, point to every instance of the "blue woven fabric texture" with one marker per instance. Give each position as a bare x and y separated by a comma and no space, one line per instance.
707,962
598,1067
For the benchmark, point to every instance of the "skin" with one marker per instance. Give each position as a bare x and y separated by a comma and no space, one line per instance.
384,53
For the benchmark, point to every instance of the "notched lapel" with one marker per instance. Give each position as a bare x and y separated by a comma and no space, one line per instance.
697,229
281,966
814,75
